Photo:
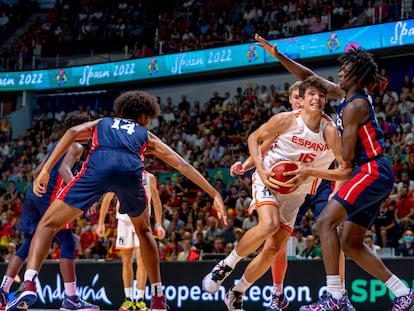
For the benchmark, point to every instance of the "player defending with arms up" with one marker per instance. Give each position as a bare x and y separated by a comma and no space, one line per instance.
113,165
358,200
308,136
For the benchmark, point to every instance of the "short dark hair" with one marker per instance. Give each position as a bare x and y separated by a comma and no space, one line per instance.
312,81
75,119
132,104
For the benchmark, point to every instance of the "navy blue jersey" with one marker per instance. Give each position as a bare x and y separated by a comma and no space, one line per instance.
120,134
54,184
370,141
33,206
113,164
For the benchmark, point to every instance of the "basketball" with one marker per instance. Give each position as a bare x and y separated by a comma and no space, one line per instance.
278,178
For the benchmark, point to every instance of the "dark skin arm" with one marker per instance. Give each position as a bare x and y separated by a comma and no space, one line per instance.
355,114
80,132
297,69
71,157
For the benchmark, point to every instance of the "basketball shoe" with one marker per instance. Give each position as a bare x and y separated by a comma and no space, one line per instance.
74,303
279,302
404,303
158,304
24,297
128,305
3,299
212,281
234,300
328,303
141,306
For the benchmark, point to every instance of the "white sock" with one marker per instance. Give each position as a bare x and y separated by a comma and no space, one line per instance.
70,289
333,283
232,259
7,283
396,286
242,285
156,289
30,275
140,294
128,292
278,289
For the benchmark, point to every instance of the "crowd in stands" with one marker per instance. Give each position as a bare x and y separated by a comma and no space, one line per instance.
211,133
158,27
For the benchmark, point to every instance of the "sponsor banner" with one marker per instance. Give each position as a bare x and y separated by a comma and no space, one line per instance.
203,61
101,283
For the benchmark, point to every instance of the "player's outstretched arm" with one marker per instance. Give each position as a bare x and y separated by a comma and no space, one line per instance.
168,155
297,69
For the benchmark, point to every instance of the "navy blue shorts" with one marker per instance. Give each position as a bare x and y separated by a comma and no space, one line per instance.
113,173
316,202
363,194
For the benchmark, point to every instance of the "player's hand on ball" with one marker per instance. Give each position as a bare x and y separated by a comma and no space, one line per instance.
299,175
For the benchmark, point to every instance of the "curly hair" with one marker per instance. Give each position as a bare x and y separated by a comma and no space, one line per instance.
312,81
132,104
361,65
74,119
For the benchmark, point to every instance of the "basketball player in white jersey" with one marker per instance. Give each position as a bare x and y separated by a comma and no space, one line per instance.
127,240
307,136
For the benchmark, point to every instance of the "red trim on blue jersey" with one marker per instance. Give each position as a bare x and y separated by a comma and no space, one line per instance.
62,193
59,185
369,142
353,188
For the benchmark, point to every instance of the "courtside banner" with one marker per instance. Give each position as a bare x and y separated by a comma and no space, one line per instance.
101,283
395,34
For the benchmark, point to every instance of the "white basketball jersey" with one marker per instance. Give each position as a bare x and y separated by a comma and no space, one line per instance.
147,187
304,145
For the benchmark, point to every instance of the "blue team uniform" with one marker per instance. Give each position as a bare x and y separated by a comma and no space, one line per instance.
318,200
113,165
34,208
372,178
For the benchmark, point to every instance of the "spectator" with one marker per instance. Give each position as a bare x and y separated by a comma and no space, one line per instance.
89,241
55,250
300,241
312,251
185,252
229,232
406,247
200,245
249,222
306,225
244,201
384,225
369,241
212,230
404,210
218,246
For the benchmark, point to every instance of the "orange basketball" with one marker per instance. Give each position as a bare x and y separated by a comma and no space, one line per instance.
278,178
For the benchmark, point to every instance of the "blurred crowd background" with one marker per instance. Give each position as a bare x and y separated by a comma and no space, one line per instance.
210,133
144,28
